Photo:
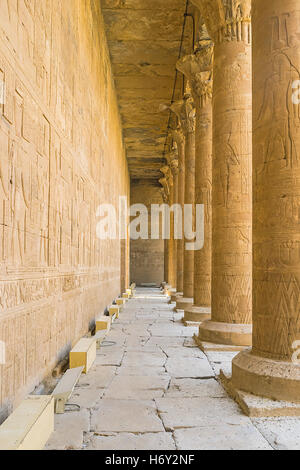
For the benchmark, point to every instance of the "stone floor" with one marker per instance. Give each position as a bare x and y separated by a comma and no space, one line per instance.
151,388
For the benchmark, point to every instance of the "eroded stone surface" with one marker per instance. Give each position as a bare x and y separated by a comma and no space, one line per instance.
69,429
189,367
157,359
282,433
191,388
126,441
173,352
137,387
141,370
194,412
137,416
228,437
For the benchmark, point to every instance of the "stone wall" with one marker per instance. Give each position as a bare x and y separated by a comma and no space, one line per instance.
61,154
147,256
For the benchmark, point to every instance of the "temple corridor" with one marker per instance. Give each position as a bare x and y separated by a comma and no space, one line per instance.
149,225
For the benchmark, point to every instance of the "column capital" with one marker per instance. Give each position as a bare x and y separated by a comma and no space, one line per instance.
226,20
165,170
165,187
164,194
198,69
174,167
167,180
176,108
186,113
173,163
178,137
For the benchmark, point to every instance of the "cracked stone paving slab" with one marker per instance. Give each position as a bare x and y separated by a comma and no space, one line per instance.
153,389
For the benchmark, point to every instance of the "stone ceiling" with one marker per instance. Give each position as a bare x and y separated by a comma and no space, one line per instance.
144,38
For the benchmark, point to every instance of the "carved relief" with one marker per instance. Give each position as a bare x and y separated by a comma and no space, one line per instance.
188,116
178,138
166,182
227,20
276,178
280,148
55,275
20,203
198,68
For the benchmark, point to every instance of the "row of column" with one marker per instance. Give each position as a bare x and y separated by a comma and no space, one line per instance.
248,271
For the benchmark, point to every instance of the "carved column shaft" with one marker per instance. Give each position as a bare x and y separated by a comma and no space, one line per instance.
174,169
202,276
200,77
187,119
231,175
231,297
166,261
165,196
170,258
173,267
172,245
270,369
188,278
179,139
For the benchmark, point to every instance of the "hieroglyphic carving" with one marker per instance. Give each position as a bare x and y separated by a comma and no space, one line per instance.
226,20
52,279
198,69
203,191
166,181
186,113
179,142
277,170
178,138
277,106
229,25
169,183
276,260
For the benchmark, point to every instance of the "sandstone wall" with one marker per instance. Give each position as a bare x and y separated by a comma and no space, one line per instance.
146,256
61,154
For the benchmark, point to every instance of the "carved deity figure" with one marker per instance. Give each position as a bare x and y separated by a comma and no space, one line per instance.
277,107
20,183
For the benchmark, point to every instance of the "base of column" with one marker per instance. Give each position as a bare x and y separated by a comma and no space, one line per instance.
174,296
183,303
226,333
172,293
178,297
209,347
167,289
277,380
197,314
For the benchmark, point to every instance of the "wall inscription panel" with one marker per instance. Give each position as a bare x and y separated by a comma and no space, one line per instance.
61,155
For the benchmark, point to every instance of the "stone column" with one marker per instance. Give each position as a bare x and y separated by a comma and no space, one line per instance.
167,183
166,263
272,368
200,77
229,25
179,177
173,164
187,119
166,242
179,139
